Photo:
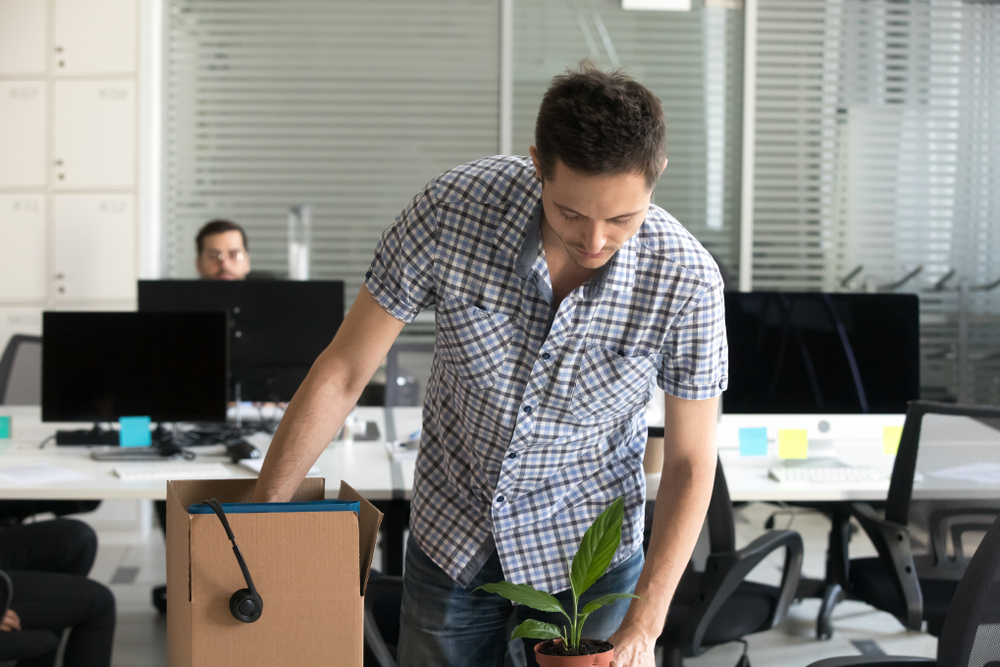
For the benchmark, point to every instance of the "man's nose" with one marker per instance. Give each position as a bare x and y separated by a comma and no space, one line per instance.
593,237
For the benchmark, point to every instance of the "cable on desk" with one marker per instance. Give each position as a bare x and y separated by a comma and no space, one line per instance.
46,441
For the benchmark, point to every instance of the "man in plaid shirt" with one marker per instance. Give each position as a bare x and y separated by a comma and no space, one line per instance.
561,296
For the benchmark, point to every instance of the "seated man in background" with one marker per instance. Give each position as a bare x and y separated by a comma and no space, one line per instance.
222,251
48,563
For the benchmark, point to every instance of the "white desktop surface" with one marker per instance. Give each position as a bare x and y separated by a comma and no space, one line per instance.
364,465
946,442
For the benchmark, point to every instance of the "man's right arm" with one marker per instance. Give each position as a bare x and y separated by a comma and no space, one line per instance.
326,397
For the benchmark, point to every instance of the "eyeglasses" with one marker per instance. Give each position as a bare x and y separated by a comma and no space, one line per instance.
218,255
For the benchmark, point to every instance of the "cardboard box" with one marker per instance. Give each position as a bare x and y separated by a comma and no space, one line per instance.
310,568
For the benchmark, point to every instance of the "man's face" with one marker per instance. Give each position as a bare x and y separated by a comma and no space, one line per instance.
592,216
223,257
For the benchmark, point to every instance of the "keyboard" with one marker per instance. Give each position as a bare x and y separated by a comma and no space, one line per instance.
171,470
827,475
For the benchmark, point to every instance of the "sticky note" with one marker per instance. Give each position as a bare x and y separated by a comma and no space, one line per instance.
753,441
4,428
134,432
793,443
891,435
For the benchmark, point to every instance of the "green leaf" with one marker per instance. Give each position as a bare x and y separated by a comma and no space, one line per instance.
597,548
597,603
526,595
533,629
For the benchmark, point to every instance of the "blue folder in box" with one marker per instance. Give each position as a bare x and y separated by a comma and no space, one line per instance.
265,508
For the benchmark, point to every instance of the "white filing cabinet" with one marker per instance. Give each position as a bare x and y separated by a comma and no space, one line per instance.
93,248
23,230
95,37
69,154
23,37
94,134
23,132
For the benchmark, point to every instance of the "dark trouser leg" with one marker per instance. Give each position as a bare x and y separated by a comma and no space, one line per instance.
54,601
62,545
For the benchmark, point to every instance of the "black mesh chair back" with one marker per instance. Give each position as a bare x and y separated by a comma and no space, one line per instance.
21,371
971,633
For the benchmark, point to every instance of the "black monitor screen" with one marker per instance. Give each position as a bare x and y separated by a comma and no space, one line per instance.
793,353
277,327
103,366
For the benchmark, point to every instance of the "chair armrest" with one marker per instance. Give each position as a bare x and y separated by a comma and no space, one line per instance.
724,572
880,660
892,541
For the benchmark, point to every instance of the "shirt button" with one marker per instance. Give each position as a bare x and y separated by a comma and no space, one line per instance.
527,409
512,455
368,274
621,353
500,499
546,356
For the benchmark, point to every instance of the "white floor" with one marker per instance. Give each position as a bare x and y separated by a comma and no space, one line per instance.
133,552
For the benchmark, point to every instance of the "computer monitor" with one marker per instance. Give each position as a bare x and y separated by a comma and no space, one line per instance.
819,353
101,366
277,328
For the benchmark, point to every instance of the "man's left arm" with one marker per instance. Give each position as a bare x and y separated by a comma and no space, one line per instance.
689,459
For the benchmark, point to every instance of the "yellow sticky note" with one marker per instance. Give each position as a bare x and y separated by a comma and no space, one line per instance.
793,443
891,436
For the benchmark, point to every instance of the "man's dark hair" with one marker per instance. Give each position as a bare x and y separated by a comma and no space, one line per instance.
214,227
600,123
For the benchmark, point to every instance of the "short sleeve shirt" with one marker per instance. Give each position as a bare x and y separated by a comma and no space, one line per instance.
534,418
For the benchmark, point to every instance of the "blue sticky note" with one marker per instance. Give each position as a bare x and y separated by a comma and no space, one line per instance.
134,432
753,441
4,428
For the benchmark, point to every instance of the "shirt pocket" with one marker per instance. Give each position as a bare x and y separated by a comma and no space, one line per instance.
473,342
610,384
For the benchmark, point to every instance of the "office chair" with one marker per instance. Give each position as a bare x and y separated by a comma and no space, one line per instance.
911,586
21,384
970,635
21,371
718,606
21,644
383,598
407,369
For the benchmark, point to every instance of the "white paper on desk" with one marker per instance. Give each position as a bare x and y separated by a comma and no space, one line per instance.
399,452
981,473
39,473
255,464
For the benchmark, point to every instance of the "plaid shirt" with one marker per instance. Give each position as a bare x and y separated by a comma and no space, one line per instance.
534,420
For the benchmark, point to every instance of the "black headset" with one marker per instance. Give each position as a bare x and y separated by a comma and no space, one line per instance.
245,604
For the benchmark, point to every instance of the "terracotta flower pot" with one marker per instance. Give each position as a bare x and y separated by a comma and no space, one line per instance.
571,660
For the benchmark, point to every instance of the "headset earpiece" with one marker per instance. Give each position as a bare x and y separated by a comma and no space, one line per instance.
245,604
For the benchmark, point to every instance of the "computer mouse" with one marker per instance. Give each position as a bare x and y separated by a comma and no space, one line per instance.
241,449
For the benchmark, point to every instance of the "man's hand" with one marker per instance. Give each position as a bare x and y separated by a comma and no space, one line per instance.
11,622
632,647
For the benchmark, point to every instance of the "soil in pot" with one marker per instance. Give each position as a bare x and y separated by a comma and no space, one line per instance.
587,647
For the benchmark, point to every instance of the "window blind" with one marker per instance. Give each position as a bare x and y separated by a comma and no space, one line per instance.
349,107
692,61
875,157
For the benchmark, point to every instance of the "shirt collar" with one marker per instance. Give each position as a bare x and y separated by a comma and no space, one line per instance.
618,274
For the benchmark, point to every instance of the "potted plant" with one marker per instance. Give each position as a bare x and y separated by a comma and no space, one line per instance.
564,647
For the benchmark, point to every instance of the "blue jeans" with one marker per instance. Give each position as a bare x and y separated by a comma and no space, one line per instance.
445,625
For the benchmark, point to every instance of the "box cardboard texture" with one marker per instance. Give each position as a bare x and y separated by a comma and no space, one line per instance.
310,568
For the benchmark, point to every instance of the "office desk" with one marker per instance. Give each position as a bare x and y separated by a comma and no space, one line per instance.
364,465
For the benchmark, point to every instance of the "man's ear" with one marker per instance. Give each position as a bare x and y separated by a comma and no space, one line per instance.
664,166
534,160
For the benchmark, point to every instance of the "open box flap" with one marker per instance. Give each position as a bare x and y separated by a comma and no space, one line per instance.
368,525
